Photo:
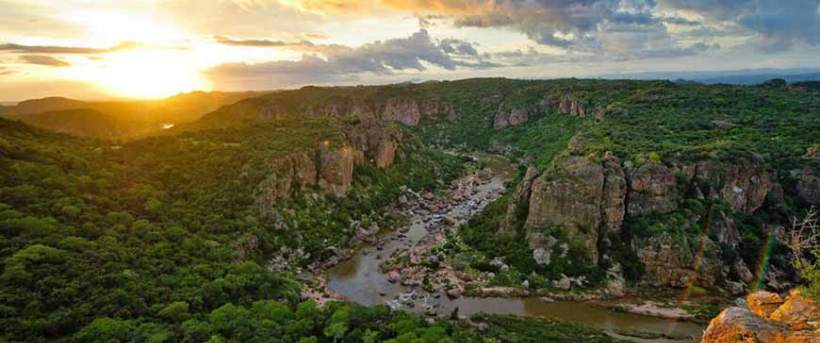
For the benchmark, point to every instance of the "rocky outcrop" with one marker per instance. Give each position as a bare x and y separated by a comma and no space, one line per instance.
572,107
583,198
512,117
613,205
767,318
518,203
410,111
336,169
376,139
808,187
674,263
651,189
298,168
331,169
744,185
587,200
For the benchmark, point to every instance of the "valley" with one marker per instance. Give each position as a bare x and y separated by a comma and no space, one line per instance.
363,278
463,211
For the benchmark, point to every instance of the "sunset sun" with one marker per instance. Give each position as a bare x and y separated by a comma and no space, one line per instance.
149,74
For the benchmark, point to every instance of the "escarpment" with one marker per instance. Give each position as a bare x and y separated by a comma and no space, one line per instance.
592,199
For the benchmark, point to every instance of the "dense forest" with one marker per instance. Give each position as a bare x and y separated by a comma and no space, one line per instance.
171,237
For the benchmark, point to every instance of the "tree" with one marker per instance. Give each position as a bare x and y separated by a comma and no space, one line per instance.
804,240
339,324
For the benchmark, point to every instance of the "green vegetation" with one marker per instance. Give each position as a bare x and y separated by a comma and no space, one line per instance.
164,239
167,227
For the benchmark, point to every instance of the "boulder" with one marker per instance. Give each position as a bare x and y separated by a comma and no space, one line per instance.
798,312
768,319
737,324
564,283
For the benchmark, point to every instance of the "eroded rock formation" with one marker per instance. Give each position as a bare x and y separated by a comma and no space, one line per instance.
767,318
587,199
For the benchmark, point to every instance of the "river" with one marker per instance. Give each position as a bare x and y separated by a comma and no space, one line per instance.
360,280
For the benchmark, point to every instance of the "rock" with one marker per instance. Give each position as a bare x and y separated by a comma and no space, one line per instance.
393,276
614,195
563,284
410,111
670,262
385,153
336,170
742,271
651,189
788,322
808,187
798,312
294,169
615,284
547,300
746,187
454,293
725,230
570,199
514,117
763,303
541,256
518,203
737,324
735,288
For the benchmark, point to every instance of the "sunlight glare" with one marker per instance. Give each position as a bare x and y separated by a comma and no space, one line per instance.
149,74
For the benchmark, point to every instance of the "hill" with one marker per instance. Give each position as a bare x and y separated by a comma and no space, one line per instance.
118,119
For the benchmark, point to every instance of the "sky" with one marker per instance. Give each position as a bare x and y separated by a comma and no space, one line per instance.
155,48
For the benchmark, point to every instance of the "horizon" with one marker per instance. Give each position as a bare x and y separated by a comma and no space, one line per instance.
152,49
706,76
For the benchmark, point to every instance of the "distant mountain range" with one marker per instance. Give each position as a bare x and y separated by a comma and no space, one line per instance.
739,77
118,119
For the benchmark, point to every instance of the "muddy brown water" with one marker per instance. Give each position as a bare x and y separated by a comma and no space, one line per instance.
360,280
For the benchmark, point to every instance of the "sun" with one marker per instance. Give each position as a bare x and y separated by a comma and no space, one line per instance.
149,74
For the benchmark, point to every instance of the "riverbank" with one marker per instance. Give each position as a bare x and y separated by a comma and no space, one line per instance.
404,269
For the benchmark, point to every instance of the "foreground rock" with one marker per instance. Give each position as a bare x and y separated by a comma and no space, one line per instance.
767,318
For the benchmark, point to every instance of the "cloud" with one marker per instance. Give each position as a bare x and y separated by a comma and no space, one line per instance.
5,71
780,24
261,43
345,63
52,49
44,60
776,24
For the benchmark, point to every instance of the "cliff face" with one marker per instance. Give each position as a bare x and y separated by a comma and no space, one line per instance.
331,168
588,198
405,110
766,318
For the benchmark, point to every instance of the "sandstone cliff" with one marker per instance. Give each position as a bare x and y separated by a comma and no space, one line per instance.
588,198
